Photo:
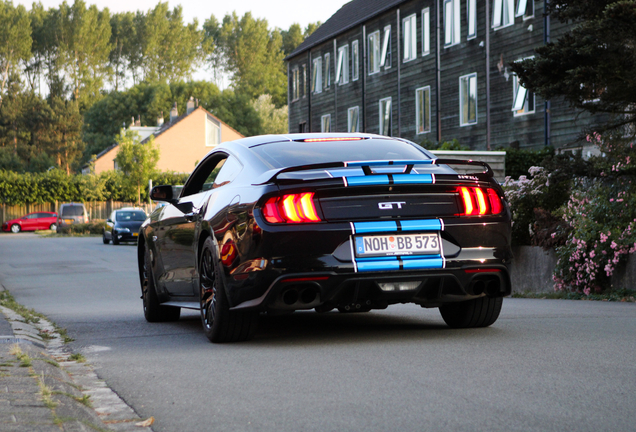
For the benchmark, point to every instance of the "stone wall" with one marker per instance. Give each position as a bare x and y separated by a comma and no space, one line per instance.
532,267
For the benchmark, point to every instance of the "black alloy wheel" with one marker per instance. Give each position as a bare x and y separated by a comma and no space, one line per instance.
15,228
480,312
220,324
153,311
114,237
104,239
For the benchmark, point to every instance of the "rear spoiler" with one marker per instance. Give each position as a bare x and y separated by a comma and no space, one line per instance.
271,175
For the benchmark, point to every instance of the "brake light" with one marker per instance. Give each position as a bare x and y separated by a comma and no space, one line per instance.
475,202
292,208
332,139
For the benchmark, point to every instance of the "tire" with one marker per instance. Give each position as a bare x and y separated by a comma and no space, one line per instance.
53,227
15,228
104,239
220,324
153,311
480,312
115,240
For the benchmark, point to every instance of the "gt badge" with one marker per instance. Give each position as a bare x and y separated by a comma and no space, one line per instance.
389,205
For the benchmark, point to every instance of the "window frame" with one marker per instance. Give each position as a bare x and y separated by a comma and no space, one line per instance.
471,6
327,75
304,82
208,122
322,123
462,121
349,111
427,108
342,67
426,31
499,11
381,116
529,4
452,23
386,49
316,75
515,91
355,60
409,41
375,46
295,78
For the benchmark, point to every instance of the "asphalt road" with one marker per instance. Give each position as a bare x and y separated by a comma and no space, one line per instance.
545,365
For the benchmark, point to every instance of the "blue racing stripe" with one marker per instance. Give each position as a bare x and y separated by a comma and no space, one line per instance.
421,225
368,180
381,226
378,265
423,263
412,178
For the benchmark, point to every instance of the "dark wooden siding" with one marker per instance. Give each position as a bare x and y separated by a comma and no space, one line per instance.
400,81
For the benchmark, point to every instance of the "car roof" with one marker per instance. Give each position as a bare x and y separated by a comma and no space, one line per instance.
254,141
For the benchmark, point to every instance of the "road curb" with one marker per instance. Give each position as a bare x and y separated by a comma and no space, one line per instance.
53,390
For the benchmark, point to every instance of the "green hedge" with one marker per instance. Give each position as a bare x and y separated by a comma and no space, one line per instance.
55,185
95,226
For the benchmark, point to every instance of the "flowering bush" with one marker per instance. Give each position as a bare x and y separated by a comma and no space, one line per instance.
602,215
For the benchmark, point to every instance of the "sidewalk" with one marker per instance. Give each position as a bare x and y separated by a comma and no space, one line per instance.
41,389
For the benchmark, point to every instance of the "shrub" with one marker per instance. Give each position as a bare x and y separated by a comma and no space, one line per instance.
95,226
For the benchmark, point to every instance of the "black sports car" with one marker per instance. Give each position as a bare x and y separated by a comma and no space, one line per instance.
352,222
123,225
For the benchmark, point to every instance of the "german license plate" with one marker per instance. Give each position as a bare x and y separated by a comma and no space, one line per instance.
397,244
69,221
135,234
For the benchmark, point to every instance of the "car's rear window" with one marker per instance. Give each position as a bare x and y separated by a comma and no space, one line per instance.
288,154
131,216
72,210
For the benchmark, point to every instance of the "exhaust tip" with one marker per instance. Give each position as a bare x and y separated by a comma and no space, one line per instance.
290,297
478,287
308,295
493,288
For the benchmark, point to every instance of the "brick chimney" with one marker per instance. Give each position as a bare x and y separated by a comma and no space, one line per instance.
190,106
174,113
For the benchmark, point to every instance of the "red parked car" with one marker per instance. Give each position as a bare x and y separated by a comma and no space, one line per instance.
32,222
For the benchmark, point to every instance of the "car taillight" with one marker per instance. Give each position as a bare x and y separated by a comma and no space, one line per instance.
477,202
292,208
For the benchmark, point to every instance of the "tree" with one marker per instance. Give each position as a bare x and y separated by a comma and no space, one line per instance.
64,137
124,44
137,161
593,65
295,36
253,55
15,40
171,50
84,44
273,120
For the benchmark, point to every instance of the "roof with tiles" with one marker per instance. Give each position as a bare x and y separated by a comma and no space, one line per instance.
348,16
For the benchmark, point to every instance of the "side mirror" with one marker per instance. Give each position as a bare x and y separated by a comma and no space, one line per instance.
162,193
109,221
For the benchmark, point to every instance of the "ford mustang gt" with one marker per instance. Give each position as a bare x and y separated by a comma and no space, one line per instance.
352,222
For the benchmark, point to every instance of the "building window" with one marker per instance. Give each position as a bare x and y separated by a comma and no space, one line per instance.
302,127
452,27
523,102
295,85
316,76
468,99
212,132
342,69
325,123
355,60
385,58
471,16
426,31
525,8
327,70
385,116
423,110
353,119
374,52
503,13
409,30
304,84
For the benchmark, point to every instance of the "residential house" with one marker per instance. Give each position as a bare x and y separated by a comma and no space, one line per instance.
429,70
182,142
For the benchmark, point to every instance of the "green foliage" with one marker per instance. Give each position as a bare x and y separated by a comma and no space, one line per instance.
137,161
93,227
273,120
454,144
15,40
295,36
592,65
519,161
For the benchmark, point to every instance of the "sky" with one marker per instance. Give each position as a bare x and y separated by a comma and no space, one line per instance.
279,13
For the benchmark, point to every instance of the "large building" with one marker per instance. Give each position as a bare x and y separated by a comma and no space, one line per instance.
429,70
